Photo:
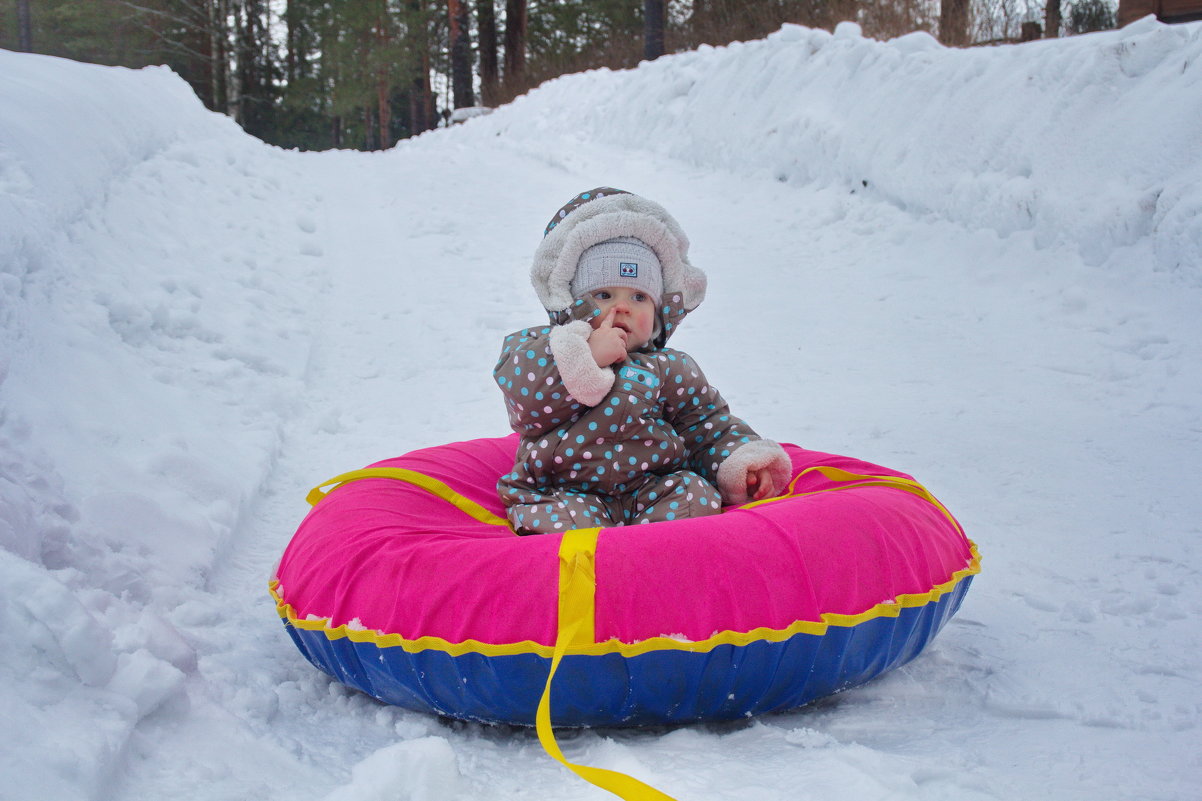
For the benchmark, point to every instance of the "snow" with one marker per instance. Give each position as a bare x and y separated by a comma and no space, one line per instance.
979,266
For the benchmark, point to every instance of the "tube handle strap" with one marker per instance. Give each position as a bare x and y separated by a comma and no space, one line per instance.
849,480
420,480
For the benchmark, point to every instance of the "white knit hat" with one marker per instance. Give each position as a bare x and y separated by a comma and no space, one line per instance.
623,261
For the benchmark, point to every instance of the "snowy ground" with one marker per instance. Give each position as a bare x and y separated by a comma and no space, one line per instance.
982,267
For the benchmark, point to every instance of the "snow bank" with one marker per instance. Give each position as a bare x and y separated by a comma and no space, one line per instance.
69,130
150,338
1091,140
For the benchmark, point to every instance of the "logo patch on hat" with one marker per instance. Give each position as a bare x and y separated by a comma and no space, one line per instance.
628,269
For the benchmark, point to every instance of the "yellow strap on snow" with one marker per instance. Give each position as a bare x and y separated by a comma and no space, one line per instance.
577,602
431,485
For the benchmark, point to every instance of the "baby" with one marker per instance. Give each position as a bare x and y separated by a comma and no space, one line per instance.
616,428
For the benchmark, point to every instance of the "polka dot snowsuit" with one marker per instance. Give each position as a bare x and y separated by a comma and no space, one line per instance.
648,451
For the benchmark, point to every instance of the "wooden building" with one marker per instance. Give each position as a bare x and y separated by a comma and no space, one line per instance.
1165,10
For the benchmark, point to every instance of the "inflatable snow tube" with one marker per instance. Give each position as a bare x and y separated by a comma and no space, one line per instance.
405,581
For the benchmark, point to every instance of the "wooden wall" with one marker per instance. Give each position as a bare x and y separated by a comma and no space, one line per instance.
1165,10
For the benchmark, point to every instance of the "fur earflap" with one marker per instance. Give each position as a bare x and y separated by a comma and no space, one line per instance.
608,216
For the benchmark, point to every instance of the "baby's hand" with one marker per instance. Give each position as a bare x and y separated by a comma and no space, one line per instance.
607,343
759,484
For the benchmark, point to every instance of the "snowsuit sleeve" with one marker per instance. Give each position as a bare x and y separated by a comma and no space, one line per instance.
721,448
548,376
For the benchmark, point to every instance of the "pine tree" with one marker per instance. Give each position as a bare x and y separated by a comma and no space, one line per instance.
422,114
953,22
254,102
653,29
1086,16
1052,19
490,78
459,17
24,27
515,48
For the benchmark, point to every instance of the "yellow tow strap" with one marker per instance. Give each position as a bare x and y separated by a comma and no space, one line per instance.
577,590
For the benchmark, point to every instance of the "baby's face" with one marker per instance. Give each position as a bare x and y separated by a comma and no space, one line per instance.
634,313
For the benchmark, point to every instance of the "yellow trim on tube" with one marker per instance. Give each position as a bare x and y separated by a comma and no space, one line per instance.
738,638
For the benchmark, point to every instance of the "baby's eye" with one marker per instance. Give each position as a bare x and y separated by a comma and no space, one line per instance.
640,297
601,294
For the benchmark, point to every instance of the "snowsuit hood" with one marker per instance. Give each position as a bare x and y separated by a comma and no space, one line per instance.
606,213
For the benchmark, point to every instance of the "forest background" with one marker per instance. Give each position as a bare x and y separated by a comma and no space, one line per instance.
363,74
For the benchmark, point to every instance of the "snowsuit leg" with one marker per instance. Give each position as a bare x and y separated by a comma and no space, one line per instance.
672,497
562,511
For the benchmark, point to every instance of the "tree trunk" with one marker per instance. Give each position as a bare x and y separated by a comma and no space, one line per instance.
461,54
653,29
417,114
384,90
486,22
253,66
218,56
24,27
953,22
421,96
1051,19
294,50
515,47
421,99
233,86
